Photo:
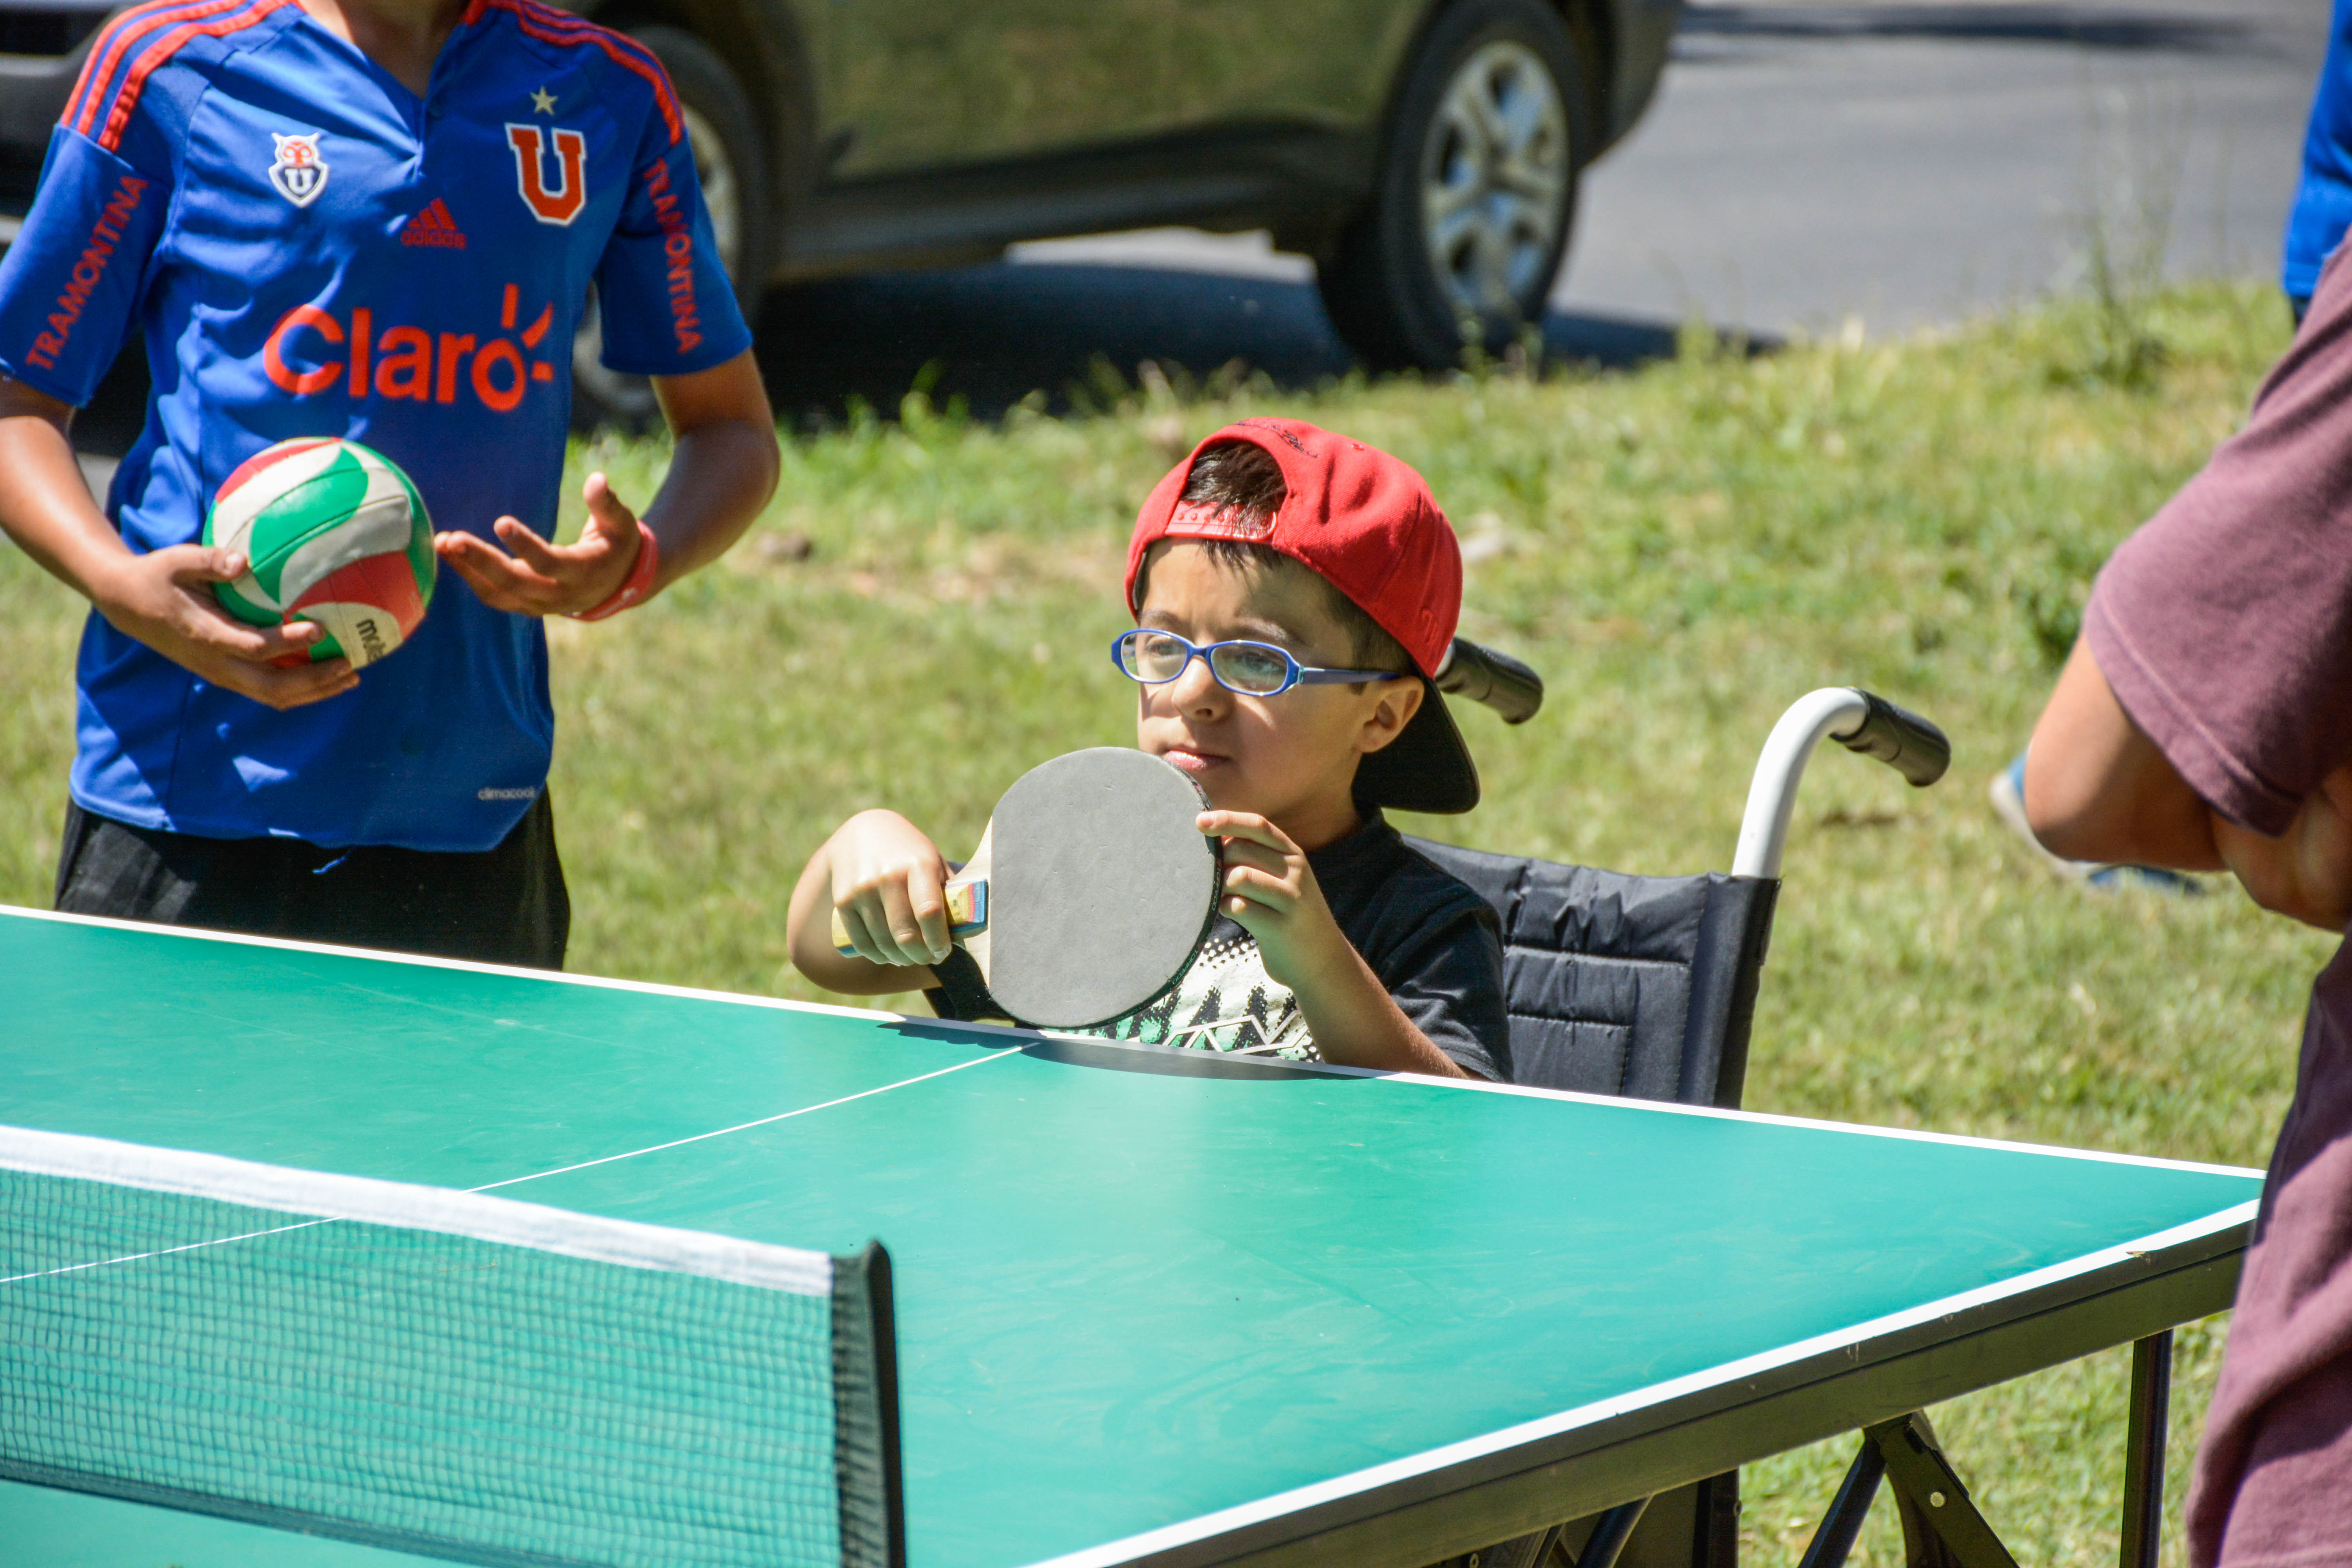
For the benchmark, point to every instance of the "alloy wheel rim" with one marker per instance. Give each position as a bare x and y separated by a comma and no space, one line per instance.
1494,180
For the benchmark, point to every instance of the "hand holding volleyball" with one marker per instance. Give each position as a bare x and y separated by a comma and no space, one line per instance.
333,532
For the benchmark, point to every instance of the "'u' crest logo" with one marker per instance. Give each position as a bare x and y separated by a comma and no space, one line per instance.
300,172
562,203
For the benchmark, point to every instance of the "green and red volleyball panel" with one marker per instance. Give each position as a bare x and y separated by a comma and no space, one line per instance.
333,533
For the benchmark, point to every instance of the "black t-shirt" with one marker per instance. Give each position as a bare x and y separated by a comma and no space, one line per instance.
1433,942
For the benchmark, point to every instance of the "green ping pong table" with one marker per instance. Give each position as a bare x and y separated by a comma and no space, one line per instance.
1152,1306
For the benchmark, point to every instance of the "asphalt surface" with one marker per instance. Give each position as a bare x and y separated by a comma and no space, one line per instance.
1903,162
1918,162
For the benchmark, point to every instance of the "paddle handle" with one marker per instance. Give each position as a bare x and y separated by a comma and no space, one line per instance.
967,912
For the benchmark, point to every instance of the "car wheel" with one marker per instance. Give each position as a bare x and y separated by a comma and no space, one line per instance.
732,165
1473,194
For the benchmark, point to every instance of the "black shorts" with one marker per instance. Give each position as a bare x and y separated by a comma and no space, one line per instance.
504,905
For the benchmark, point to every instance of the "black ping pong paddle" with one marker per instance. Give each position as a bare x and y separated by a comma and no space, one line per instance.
1091,890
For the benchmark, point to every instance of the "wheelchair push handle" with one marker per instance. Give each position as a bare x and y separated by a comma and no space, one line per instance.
1901,739
1496,680
1858,720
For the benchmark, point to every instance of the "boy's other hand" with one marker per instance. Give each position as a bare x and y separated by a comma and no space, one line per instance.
543,579
1271,890
164,599
887,882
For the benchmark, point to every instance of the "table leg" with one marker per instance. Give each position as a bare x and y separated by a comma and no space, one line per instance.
2151,1403
1717,1545
1608,1537
1941,1521
1835,1537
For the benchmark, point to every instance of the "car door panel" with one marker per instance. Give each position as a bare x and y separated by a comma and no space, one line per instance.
923,84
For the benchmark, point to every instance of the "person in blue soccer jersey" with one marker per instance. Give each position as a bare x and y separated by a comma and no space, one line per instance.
377,219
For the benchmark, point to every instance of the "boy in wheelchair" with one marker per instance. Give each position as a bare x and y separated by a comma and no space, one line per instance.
1295,596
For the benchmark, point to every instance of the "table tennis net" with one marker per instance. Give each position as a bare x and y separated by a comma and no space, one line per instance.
448,1374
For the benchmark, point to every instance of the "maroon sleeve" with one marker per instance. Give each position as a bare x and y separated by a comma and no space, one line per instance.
2224,625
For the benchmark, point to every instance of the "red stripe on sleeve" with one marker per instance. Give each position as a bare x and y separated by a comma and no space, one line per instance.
89,69
107,54
126,100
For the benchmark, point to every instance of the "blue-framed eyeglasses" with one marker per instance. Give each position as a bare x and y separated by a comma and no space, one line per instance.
1251,669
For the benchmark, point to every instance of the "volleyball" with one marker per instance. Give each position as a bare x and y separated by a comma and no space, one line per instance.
333,533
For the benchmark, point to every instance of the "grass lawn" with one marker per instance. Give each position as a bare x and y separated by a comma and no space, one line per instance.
1681,551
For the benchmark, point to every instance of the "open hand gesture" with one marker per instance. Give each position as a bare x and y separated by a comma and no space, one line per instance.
543,579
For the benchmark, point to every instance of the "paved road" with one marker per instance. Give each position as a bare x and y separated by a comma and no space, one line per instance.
1918,161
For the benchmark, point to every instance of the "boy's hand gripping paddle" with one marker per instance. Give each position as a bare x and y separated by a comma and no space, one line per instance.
1091,888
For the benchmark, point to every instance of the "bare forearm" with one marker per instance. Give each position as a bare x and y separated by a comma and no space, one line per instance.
46,508
163,597
2096,787
1356,1023
1271,890
723,469
720,477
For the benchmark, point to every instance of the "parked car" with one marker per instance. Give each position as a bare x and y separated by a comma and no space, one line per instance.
1424,153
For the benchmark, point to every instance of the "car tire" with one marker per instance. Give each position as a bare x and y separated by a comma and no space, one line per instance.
1473,194
732,160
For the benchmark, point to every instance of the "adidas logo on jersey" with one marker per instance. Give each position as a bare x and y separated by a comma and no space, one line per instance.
434,225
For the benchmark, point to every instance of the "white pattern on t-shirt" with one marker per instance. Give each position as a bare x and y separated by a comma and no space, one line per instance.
1225,1002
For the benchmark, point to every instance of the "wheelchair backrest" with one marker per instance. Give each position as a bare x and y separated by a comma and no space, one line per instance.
1632,985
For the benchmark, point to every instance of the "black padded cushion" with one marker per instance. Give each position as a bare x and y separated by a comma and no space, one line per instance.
1618,984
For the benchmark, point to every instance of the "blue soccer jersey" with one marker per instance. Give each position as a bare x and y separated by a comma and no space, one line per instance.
309,249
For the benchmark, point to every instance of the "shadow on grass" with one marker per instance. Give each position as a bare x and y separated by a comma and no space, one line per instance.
992,335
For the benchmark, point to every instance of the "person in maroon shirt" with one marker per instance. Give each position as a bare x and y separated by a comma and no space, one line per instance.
2204,722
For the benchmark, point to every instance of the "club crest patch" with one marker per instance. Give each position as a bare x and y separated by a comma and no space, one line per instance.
561,201
300,173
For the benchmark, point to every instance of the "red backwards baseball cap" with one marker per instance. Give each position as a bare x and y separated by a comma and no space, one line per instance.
1366,523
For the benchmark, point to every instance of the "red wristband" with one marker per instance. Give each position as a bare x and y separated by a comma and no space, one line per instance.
639,583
